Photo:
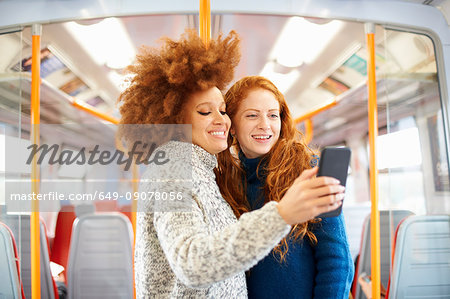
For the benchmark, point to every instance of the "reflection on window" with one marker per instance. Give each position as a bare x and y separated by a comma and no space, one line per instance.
399,159
399,149
439,164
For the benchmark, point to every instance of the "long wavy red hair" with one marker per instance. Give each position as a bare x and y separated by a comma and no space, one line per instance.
283,163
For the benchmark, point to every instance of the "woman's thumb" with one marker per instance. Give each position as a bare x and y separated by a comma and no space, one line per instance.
309,173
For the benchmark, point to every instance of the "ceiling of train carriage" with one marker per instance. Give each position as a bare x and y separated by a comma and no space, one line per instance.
313,61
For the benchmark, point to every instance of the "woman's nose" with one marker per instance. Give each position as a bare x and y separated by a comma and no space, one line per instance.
264,123
219,118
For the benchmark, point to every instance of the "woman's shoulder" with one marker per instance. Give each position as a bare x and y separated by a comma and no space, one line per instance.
169,161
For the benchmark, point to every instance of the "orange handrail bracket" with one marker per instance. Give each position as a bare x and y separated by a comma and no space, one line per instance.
373,133
205,21
95,112
309,115
309,128
35,121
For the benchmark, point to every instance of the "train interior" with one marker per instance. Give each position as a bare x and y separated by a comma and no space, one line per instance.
316,62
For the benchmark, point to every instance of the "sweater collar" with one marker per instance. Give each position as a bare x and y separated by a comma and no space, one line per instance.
199,156
250,165
209,160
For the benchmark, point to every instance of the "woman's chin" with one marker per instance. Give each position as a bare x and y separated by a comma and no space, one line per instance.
215,149
262,149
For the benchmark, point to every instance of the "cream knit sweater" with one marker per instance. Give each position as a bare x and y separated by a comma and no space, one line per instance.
201,252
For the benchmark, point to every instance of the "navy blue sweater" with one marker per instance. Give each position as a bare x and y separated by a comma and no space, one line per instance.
324,270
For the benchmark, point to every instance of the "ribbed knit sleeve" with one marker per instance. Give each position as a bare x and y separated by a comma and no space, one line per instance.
200,250
199,259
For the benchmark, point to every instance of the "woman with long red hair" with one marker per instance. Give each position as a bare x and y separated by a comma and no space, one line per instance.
193,246
267,154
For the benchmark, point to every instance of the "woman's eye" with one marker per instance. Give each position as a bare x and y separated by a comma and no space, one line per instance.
252,115
274,115
223,112
203,113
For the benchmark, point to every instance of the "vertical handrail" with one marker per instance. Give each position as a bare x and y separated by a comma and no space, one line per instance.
135,185
205,21
36,31
373,133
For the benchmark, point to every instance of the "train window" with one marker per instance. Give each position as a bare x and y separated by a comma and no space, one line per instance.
400,164
13,104
412,152
411,145
412,155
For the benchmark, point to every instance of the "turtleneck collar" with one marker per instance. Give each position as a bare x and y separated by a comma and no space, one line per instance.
209,160
198,154
250,166
255,181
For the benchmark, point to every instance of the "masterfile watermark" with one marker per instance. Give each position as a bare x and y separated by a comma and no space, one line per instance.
94,164
95,156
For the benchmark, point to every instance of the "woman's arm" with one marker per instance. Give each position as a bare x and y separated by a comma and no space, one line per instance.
334,264
199,256
199,259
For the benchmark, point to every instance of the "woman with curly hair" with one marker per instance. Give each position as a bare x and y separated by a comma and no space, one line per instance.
314,260
201,252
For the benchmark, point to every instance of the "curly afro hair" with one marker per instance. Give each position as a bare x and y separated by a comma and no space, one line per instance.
164,78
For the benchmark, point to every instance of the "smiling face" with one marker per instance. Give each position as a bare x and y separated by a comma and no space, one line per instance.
205,110
257,123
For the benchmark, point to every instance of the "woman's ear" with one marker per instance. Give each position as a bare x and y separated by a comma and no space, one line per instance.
232,131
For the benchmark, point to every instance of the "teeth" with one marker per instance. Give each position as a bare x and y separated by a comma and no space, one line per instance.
261,137
218,133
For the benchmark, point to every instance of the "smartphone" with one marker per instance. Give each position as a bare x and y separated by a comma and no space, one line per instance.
334,162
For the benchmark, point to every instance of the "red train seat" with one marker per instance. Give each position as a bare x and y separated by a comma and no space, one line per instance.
63,232
11,285
126,210
20,226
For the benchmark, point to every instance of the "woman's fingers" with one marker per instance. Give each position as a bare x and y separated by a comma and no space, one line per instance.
308,174
324,191
326,201
332,205
319,182
310,196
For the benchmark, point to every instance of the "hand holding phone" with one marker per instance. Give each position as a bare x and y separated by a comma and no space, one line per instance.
334,162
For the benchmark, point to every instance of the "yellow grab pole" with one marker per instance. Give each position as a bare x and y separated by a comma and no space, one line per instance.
93,111
36,31
309,115
205,21
135,183
373,133
309,128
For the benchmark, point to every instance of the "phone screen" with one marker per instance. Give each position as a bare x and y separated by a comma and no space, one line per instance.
334,162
